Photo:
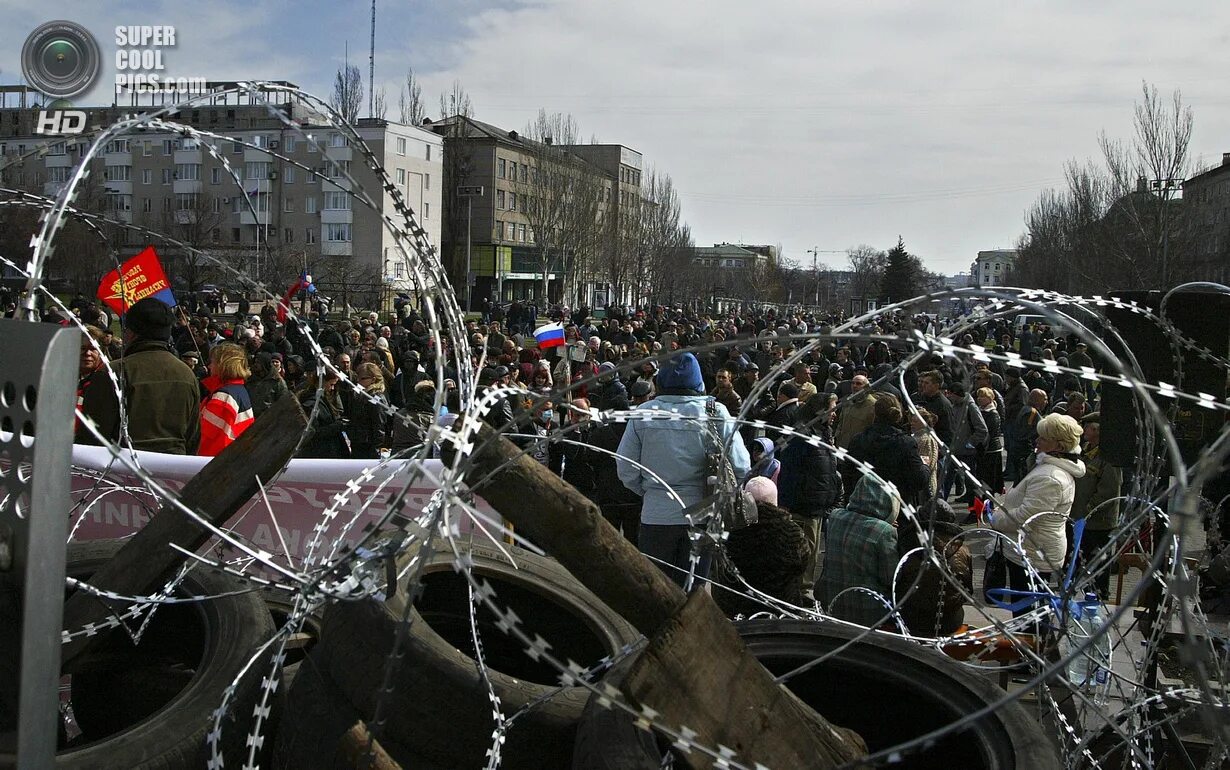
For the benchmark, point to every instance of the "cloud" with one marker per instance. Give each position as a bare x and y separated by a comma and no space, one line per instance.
795,121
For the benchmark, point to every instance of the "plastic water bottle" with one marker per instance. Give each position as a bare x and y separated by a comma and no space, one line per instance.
1090,670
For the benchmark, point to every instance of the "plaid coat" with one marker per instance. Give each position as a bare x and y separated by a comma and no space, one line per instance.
860,550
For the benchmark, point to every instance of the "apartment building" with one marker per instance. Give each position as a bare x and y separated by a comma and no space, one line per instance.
1207,199
504,256
991,267
284,205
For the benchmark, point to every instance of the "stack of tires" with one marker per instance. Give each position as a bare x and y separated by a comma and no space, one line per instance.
437,711
150,705
888,690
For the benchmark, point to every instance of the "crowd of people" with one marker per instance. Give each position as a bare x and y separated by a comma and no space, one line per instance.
939,434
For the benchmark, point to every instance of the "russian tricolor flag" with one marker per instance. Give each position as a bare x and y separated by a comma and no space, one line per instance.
549,336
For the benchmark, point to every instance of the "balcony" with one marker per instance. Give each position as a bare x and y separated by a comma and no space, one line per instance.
339,153
260,218
119,188
337,248
257,186
52,189
256,156
187,217
117,158
60,161
180,186
336,216
188,156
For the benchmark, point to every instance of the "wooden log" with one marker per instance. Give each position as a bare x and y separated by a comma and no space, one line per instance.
697,672
354,748
216,492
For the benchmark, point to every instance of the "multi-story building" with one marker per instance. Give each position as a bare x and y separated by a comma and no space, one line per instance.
1207,199
495,225
992,266
287,207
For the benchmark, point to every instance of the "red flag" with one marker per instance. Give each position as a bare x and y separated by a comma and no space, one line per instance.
142,277
284,305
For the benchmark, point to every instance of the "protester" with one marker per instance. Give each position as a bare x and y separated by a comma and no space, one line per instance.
861,553
675,450
989,467
320,399
367,413
856,413
810,488
161,395
770,556
227,411
928,598
764,459
969,435
1096,500
891,452
1035,511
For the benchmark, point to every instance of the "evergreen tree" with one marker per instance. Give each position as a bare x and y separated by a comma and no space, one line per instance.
903,275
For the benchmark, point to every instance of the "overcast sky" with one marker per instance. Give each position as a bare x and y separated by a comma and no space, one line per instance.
805,123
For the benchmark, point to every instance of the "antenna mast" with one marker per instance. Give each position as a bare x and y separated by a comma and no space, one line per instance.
371,68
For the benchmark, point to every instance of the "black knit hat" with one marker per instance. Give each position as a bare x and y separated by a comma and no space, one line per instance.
150,319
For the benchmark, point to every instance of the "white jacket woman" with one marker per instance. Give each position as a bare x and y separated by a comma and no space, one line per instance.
1048,490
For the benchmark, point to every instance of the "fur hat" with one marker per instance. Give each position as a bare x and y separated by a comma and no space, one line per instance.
762,490
150,319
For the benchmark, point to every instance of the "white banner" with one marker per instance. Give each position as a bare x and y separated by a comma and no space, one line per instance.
109,502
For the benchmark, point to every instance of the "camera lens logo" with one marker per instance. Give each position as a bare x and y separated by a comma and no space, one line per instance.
61,59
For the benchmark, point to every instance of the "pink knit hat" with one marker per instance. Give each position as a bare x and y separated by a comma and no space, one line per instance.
762,490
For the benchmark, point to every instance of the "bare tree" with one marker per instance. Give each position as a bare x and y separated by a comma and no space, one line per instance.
867,264
197,225
562,198
380,109
410,100
456,101
347,96
1117,225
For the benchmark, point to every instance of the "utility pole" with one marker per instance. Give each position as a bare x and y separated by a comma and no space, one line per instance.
815,269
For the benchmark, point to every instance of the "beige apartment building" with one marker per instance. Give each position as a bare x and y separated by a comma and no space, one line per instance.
489,172
275,215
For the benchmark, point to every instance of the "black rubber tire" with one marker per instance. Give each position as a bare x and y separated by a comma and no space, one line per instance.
280,605
632,748
439,707
886,689
316,717
226,631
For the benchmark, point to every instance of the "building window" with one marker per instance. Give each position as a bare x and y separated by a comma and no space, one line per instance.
401,145
337,168
426,210
147,148
288,176
166,176
147,176
525,173
309,205
188,171
117,173
336,139
215,234
235,234
499,230
216,205
522,233
429,152
499,168
512,170
289,236
113,146
257,170
288,205
185,201
401,177
499,198
168,146
311,178
236,147
309,236
337,232
337,201
426,181
289,143
167,203
512,201
147,205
